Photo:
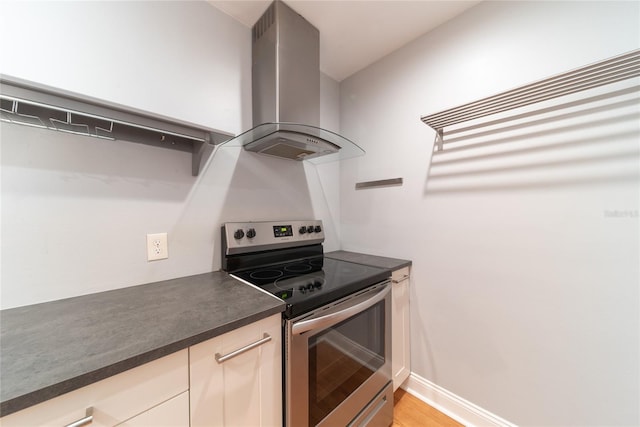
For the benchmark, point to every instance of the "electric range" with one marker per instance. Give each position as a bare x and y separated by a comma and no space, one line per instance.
285,259
336,326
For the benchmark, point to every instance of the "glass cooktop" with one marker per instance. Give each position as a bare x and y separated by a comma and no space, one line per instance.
312,282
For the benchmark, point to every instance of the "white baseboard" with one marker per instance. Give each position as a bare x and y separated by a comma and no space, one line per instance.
452,405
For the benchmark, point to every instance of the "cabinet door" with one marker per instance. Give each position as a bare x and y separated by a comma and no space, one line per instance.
400,345
172,413
244,390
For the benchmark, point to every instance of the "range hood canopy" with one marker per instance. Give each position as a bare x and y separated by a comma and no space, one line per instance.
296,141
286,92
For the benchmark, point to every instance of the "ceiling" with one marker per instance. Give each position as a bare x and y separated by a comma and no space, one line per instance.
356,33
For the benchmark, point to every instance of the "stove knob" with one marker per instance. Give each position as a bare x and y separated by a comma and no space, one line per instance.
251,233
302,230
239,234
310,287
302,289
317,229
317,285
310,229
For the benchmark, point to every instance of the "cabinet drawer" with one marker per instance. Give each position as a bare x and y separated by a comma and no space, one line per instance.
114,399
172,413
400,274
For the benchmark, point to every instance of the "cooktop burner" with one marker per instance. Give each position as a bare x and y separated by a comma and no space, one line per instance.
262,275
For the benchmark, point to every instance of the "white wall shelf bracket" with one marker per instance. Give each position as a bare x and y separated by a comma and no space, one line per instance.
439,140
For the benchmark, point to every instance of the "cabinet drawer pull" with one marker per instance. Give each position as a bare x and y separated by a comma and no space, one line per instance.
88,419
404,277
265,338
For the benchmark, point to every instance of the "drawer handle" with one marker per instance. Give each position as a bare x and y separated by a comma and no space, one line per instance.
406,276
88,419
265,338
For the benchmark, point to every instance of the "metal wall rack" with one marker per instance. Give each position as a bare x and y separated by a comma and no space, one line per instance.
611,70
32,104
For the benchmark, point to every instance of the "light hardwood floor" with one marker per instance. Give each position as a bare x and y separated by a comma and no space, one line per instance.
409,411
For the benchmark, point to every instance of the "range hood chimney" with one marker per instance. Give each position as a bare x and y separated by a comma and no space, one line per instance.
286,90
285,68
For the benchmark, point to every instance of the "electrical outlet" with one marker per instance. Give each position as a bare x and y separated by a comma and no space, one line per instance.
157,246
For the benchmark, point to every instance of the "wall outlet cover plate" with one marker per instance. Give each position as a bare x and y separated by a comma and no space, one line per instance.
157,246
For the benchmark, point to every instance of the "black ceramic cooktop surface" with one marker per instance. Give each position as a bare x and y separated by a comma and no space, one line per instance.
309,283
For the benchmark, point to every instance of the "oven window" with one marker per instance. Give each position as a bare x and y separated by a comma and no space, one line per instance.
342,358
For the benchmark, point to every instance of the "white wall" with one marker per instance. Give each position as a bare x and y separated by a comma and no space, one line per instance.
75,210
525,278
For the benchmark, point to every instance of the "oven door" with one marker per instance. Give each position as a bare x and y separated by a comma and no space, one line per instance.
339,360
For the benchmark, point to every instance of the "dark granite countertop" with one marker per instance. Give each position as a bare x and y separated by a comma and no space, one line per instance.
372,260
52,348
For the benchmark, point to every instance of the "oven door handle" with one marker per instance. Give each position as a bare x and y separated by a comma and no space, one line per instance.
337,317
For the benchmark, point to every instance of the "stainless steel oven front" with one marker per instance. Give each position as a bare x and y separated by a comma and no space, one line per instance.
338,362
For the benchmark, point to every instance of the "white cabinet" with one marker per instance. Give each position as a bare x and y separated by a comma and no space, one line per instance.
115,399
400,346
246,388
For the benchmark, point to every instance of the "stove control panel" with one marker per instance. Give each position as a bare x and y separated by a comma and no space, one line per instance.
246,237
282,231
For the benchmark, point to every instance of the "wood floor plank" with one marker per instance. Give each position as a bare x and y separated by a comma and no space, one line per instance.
409,411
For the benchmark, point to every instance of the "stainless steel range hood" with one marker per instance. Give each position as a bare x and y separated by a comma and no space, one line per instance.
286,91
